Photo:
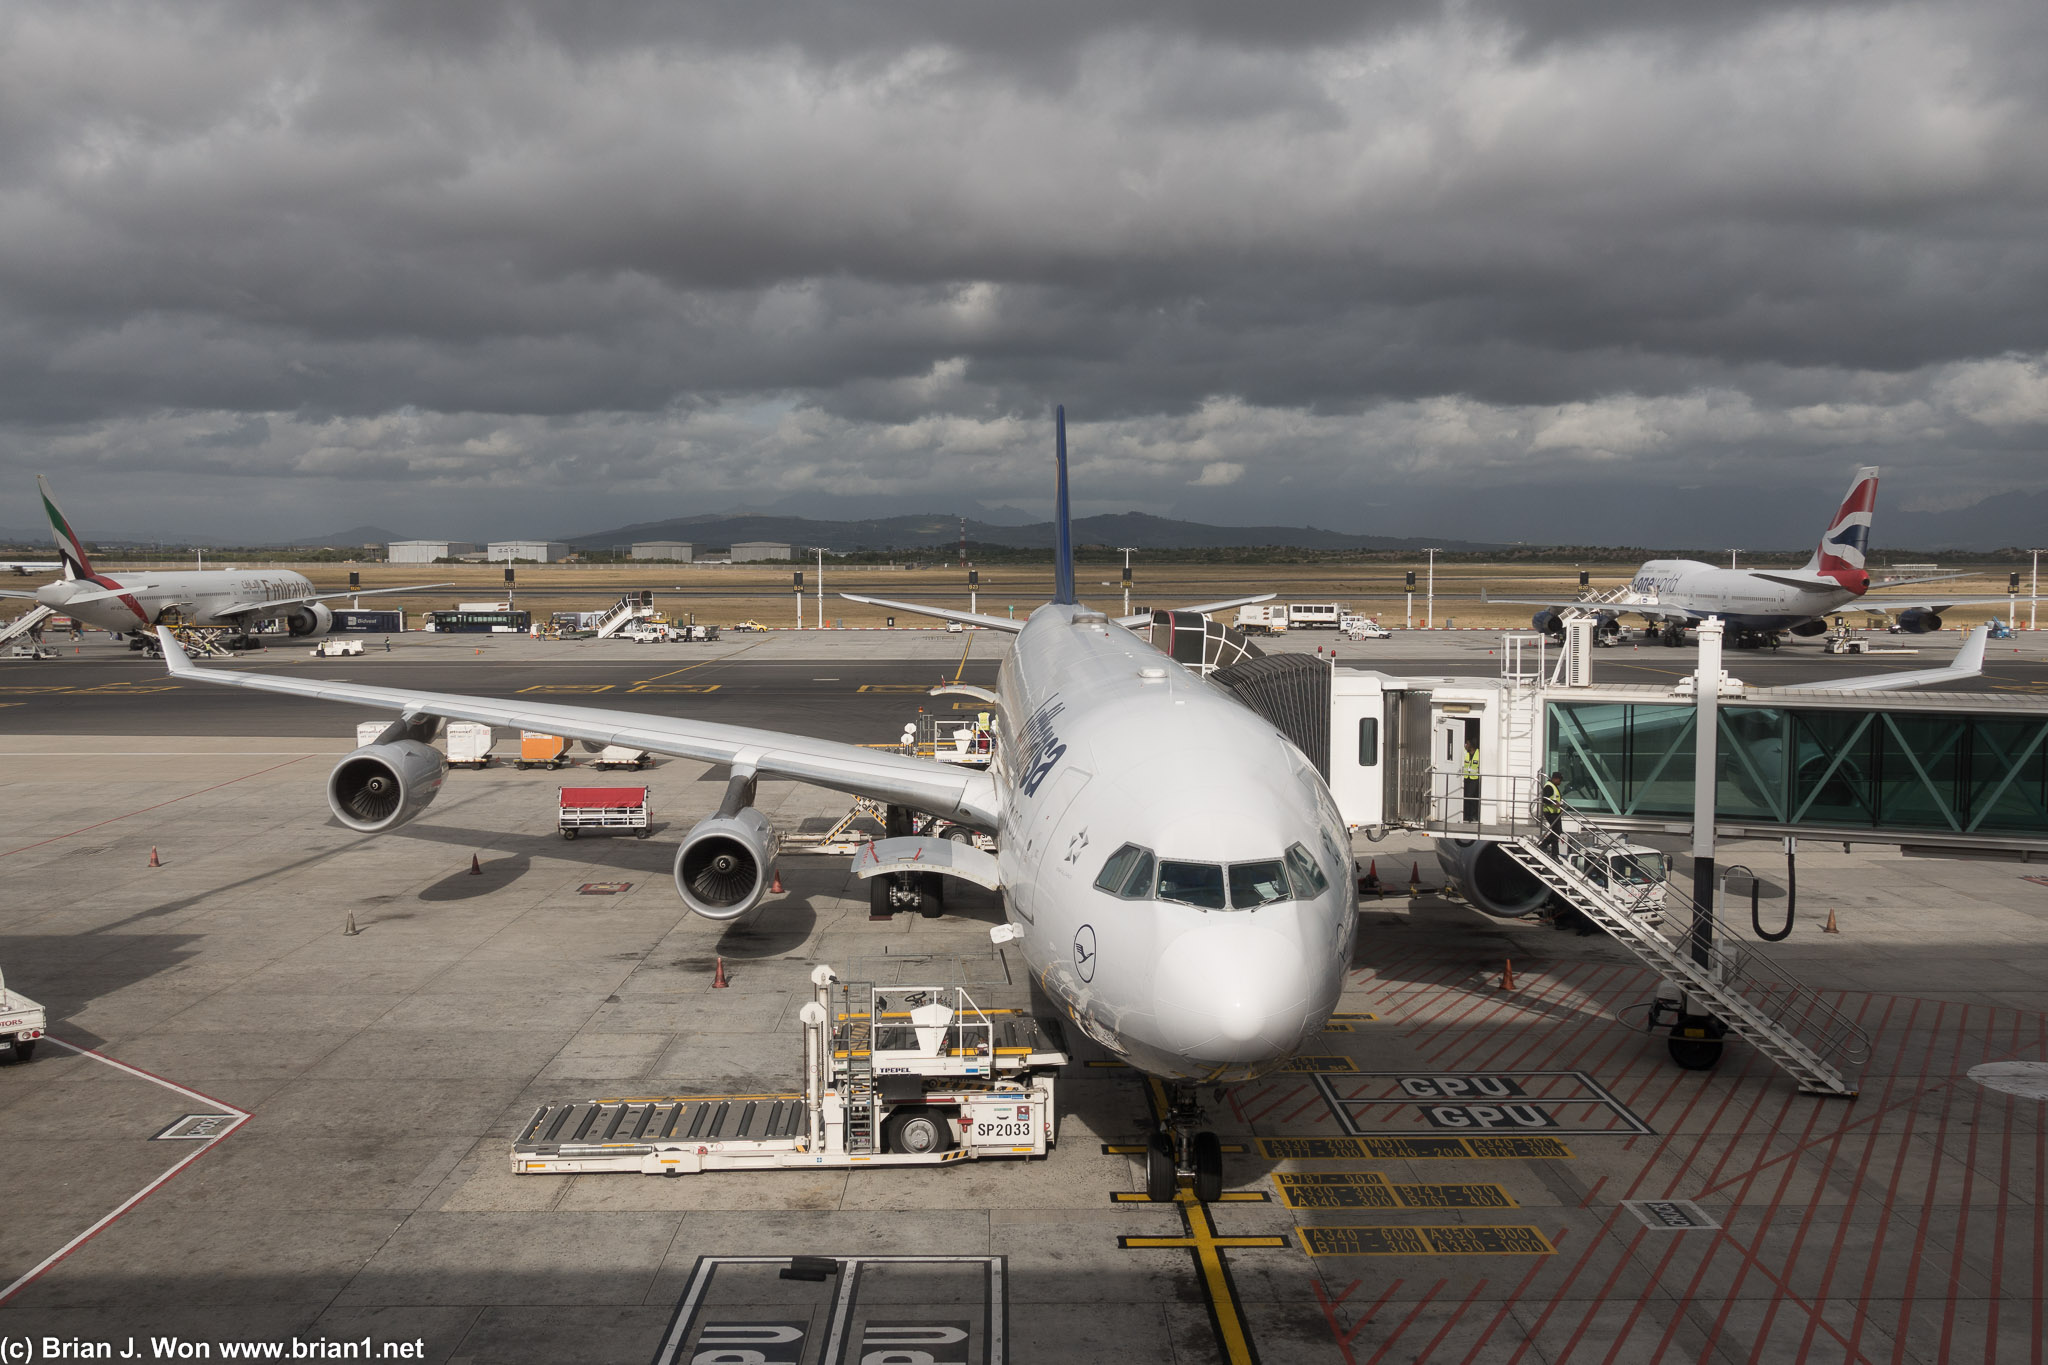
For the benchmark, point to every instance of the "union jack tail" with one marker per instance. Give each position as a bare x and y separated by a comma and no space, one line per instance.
69,547
1839,556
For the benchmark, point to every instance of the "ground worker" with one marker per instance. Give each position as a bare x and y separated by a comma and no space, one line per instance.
1471,771
1553,812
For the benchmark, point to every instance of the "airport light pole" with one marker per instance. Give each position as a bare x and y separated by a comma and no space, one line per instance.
821,588
1431,551
2034,607
1731,557
1127,552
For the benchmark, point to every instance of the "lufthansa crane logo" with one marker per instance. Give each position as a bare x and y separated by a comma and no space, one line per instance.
1084,952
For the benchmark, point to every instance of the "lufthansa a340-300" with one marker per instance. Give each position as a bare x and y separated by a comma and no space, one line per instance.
1173,869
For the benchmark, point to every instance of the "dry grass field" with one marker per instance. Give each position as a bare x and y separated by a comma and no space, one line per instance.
725,594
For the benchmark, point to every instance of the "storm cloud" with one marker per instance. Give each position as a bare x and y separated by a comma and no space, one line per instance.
479,268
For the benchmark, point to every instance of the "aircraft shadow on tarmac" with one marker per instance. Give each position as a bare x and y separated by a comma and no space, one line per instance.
65,973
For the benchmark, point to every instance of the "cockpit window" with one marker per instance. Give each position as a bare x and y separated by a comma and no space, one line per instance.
1309,881
1197,884
1128,874
1255,884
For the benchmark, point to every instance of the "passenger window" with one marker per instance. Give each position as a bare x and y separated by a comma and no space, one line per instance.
1128,873
1309,881
1197,884
1255,884
1368,741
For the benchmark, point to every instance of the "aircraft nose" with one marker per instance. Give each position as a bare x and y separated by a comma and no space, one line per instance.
1233,993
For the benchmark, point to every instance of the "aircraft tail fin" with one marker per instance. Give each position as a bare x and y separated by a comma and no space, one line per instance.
69,548
1839,556
1063,534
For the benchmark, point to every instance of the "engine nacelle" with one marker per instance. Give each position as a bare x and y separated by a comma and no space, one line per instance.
313,618
726,863
1549,622
1807,629
1488,878
1919,621
381,786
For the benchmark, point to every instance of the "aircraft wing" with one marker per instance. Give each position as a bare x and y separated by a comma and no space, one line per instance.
1885,605
1144,618
1648,609
272,604
965,618
1968,663
15,592
936,787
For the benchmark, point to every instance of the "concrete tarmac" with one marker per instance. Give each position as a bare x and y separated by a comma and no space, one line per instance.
368,1196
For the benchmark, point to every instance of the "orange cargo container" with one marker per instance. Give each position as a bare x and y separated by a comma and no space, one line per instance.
541,751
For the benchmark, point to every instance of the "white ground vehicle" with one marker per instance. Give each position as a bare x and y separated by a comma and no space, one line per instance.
337,649
1364,628
1263,618
1315,615
893,1076
652,633
22,1022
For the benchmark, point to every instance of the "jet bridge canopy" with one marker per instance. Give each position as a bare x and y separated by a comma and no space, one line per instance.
1962,768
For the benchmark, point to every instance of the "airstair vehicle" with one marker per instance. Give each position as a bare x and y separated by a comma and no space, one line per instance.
892,1076
634,606
29,623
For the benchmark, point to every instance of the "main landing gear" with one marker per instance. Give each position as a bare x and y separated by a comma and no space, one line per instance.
1177,1149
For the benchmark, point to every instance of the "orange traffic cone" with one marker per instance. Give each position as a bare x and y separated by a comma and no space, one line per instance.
1414,879
154,861
1507,976
718,981
1831,927
476,868
775,888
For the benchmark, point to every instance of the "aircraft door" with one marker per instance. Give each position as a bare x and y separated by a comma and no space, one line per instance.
1050,843
1450,732
1361,749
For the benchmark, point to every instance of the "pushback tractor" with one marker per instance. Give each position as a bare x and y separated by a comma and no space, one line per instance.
893,1076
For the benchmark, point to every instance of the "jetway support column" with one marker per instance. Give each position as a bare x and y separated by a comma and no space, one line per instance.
1707,699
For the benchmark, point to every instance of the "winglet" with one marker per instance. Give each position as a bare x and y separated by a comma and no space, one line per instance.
175,657
1063,535
1968,663
1971,655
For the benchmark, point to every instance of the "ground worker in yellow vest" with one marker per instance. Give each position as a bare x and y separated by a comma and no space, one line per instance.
1553,812
1471,781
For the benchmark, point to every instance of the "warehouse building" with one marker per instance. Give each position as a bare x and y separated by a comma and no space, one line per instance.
426,551
678,550
746,551
539,551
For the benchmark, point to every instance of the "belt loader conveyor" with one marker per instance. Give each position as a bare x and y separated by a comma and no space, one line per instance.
895,1076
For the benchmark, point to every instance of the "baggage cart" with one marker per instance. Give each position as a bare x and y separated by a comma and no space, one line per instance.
537,750
469,744
615,810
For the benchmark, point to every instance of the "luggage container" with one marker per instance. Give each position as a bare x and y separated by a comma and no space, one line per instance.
469,744
537,750
618,810
619,756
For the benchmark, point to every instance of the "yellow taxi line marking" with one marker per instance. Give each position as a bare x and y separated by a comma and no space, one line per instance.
568,687
1328,1240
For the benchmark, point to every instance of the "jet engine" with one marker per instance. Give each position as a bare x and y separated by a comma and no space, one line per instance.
1549,622
1919,621
311,619
726,862
1806,629
381,786
1488,878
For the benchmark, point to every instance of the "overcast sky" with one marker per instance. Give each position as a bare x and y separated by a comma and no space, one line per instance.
271,268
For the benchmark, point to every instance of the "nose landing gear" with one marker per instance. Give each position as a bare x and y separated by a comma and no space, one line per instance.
1178,1148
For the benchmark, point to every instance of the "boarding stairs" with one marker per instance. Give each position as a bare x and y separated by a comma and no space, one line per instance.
28,623
204,642
1787,1022
628,610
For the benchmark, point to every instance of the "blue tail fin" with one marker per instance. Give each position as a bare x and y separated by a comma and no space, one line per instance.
1063,535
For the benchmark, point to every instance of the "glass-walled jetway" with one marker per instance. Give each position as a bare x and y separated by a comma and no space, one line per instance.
1959,765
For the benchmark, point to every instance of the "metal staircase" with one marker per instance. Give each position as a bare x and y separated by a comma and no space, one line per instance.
28,623
1787,1022
856,1035
619,617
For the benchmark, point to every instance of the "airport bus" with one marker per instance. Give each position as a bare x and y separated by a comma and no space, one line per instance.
481,622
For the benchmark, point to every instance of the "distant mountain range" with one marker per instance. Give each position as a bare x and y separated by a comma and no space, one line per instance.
936,531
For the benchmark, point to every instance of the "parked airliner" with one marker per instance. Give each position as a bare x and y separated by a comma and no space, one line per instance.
231,599
1174,871
1759,603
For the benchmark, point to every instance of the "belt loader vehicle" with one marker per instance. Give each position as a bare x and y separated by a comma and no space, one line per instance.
893,1076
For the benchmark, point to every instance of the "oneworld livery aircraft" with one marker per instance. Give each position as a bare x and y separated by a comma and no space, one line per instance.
228,599
1758,604
1175,872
